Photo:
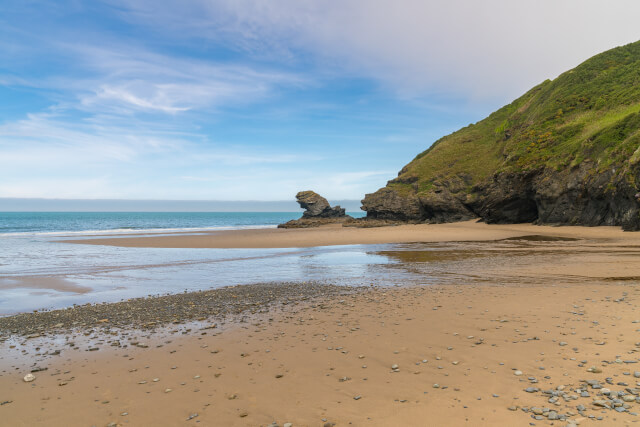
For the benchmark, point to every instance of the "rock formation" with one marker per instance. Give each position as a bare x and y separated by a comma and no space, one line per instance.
317,206
317,212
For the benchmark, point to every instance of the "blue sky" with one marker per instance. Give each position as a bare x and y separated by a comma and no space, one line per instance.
242,100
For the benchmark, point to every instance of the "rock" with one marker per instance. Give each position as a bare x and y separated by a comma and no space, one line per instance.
517,373
317,212
317,206
28,378
602,403
287,425
387,203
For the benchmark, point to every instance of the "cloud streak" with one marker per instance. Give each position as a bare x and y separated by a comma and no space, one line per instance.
488,49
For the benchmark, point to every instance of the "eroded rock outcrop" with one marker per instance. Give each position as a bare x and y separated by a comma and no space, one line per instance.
547,196
317,212
316,206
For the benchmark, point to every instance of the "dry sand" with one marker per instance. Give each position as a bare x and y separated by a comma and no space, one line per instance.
330,361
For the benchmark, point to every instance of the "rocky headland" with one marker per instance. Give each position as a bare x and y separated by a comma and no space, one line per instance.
566,152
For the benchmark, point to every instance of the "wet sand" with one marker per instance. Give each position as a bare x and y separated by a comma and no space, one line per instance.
534,319
332,360
338,235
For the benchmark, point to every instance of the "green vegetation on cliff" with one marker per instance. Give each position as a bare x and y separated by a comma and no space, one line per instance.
590,113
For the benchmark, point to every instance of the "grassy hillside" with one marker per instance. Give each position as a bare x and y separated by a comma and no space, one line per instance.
589,113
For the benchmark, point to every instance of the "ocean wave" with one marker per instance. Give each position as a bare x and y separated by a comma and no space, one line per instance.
117,231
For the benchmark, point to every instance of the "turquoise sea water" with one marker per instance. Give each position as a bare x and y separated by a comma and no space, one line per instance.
13,223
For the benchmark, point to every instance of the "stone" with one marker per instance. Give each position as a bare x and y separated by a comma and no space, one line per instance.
317,212
317,206
28,378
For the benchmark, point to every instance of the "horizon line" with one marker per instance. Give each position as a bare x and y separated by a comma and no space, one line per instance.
18,204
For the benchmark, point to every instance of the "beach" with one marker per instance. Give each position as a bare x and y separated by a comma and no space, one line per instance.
338,235
534,326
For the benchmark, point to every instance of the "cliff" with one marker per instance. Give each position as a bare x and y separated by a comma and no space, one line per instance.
566,152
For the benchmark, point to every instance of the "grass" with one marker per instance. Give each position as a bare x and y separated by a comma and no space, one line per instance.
589,113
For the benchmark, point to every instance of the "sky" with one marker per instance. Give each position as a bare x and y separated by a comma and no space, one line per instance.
257,100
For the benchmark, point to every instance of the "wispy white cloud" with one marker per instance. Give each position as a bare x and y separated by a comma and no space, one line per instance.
488,49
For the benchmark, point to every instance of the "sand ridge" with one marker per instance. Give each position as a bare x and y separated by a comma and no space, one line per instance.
339,235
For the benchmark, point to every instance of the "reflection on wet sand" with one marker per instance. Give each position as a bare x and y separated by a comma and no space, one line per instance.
40,282
516,260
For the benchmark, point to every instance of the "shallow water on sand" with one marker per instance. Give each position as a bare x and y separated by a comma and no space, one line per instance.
43,272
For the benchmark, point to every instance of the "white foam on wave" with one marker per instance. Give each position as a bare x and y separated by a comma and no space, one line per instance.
118,231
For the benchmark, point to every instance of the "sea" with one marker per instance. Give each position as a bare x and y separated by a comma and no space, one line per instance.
39,271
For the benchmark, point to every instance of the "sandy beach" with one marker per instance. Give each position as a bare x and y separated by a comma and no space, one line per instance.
338,235
546,333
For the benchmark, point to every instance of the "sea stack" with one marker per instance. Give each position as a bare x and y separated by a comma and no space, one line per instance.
317,212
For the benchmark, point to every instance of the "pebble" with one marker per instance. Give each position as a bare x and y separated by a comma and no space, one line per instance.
517,373
28,378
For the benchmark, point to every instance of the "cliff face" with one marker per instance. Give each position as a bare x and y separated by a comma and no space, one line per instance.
566,152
